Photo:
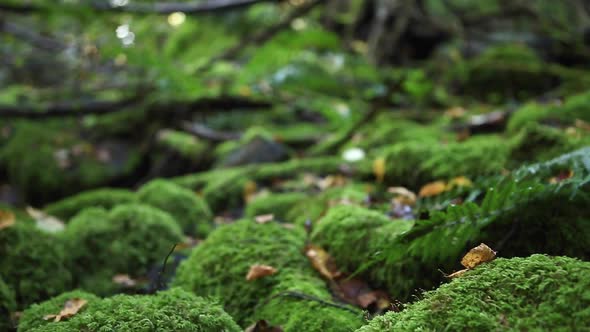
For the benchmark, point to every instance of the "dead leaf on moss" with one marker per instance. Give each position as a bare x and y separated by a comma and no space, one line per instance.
480,254
258,271
379,169
563,175
357,292
124,280
7,219
460,181
71,307
264,218
44,221
432,189
263,326
322,262
249,190
402,195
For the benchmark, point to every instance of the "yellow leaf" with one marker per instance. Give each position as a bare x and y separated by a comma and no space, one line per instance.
7,219
379,169
71,307
258,271
432,189
322,262
459,181
480,254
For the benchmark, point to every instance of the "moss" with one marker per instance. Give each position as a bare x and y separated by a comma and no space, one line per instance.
277,204
314,207
536,142
218,266
352,234
171,310
104,197
299,302
190,211
413,163
69,162
32,317
186,145
7,306
226,191
34,264
129,239
518,294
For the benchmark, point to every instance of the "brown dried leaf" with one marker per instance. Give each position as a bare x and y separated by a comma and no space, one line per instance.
258,271
480,254
562,176
457,274
124,280
455,112
379,169
322,262
432,189
264,218
7,219
263,326
460,181
402,195
71,307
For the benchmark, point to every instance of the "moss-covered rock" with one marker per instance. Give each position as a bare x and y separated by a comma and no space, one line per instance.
185,145
190,211
414,163
32,317
171,310
277,204
219,265
62,162
301,302
34,264
519,294
103,197
129,239
7,306
351,234
226,191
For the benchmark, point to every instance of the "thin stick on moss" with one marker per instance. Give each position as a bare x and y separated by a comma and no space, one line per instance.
304,296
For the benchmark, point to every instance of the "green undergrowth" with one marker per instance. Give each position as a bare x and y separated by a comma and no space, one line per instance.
103,197
7,306
537,293
277,204
185,145
171,310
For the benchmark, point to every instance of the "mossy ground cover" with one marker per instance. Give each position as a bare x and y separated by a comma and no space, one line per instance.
155,210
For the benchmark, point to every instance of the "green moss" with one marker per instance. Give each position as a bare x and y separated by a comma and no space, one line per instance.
104,197
226,191
129,239
190,211
519,294
277,204
186,145
352,234
69,163
218,266
33,263
32,317
413,163
300,302
171,310
7,306
537,142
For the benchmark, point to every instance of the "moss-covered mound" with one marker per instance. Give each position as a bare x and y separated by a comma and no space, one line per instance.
189,210
34,264
218,266
351,234
129,239
7,306
277,204
172,310
538,293
301,302
103,197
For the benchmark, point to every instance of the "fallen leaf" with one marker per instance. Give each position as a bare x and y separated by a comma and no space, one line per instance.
263,326
258,271
455,112
264,218
322,262
379,169
432,189
124,280
402,195
460,181
7,219
249,190
480,254
563,175
45,222
71,307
